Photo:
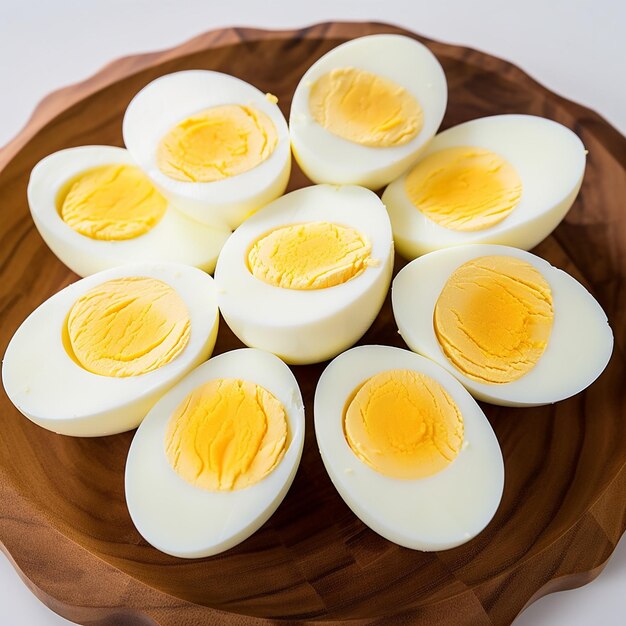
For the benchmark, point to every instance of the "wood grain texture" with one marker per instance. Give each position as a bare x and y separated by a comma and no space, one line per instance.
63,519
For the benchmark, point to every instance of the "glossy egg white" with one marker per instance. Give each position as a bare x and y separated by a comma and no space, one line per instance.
580,344
439,512
54,391
549,159
175,238
306,326
168,100
328,158
190,522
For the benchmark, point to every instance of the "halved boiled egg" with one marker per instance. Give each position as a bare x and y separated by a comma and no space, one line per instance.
407,447
93,359
213,144
362,113
512,328
506,179
305,277
222,448
96,210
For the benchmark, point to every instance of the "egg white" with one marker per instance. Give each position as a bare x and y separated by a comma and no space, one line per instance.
46,385
580,344
184,520
549,159
175,238
170,99
327,158
438,512
306,326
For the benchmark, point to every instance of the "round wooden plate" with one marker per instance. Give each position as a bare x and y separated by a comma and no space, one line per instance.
63,518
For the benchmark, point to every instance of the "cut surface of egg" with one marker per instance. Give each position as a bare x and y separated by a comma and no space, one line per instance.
212,143
407,447
96,209
363,112
506,179
93,359
305,277
511,327
223,446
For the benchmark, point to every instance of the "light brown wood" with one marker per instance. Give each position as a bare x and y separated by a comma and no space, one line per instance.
63,519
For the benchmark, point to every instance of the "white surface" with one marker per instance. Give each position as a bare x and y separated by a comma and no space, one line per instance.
575,47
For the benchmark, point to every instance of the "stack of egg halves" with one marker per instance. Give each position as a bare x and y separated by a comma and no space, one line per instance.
299,278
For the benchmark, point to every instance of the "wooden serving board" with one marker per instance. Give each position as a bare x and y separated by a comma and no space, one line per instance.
63,518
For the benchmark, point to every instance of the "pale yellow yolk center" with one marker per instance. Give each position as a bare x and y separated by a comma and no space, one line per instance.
217,143
127,327
493,318
227,434
404,424
464,188
313,255
111,203
365,108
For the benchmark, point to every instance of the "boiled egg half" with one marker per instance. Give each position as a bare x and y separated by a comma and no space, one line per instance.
94,358
362,113
506,179
511,327
213,144
216,455
407,447
96,209
305,276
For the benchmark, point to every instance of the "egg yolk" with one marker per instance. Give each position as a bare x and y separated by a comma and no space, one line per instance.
227,434
217,143
365,108
464,188
403,424
313,255
127,327
111,203
493,318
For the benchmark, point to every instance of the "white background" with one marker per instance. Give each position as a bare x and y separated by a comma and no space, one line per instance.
575,47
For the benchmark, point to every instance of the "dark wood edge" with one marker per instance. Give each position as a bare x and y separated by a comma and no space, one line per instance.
166,610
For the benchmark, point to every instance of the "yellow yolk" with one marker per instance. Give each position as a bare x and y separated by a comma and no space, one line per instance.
111,203
227,434
365,108
464,188
404,424
127,327
313,255
493,318
217,143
